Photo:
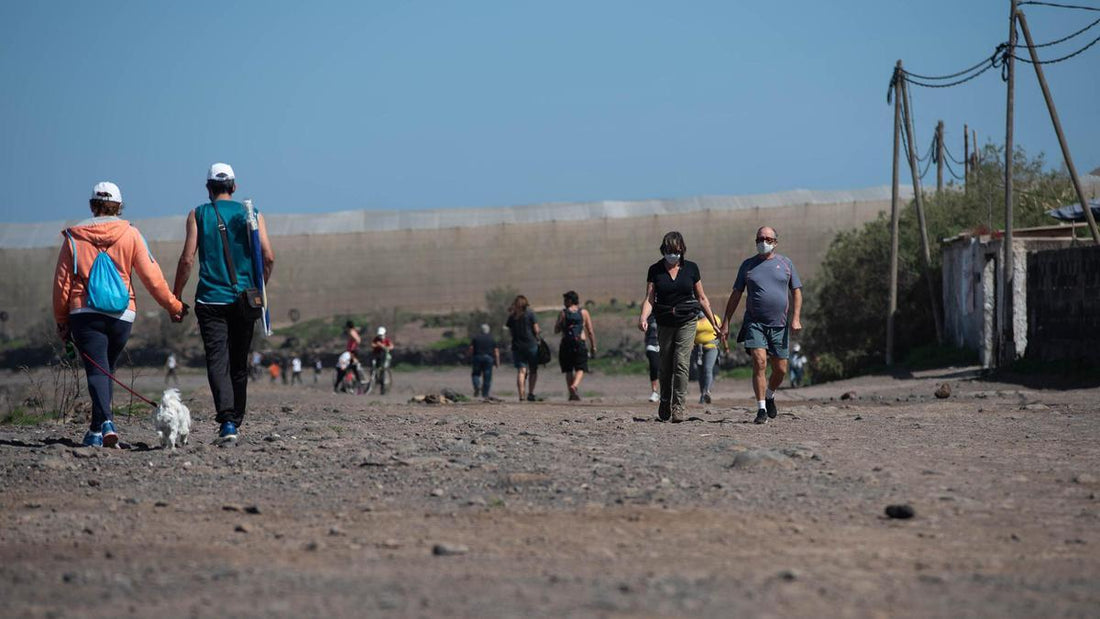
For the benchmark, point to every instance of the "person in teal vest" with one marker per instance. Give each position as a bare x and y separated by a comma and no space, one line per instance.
217,232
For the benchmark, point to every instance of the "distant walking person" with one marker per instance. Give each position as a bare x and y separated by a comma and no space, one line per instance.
170,366
93,298
316,370
706,338
296,370
771,282
484,356
652,355
218,233
798,365
674,294
575,326
524,328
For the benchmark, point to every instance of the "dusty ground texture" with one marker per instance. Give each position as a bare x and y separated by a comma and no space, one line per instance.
332,505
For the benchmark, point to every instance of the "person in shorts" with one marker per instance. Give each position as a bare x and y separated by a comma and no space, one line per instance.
575,326
524,328
773,288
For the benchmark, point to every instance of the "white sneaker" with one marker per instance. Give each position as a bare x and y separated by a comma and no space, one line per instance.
654,397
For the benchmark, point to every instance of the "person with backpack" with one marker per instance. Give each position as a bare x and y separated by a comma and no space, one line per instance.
575,325
227,300
93,298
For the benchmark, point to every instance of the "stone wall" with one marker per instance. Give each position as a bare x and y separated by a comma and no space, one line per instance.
1063,291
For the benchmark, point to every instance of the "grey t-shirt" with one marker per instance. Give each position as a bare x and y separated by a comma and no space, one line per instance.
768,283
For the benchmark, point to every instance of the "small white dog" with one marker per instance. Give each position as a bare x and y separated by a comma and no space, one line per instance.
172,420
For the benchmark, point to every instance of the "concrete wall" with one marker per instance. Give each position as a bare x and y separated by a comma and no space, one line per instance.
1064,298
423,269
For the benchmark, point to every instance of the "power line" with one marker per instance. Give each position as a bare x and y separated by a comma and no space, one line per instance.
1060,6
1063,39
1066,57
951,170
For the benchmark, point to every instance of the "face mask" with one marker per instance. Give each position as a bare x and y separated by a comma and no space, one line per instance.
672,258
764,249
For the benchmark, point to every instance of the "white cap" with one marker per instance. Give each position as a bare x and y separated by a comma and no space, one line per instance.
381,330
798,347
220,172
107,191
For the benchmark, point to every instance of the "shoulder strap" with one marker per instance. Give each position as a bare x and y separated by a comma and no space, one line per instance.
225,244
72,248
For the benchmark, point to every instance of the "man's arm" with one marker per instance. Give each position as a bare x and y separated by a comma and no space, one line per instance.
496,354
187,256
731,307
265,249
796,318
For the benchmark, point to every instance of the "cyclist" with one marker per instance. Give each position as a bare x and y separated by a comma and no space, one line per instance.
381,349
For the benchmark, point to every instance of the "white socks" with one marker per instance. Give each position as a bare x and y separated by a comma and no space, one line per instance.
769,394
761,404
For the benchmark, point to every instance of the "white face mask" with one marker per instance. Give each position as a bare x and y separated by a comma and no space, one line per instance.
764,248
672,258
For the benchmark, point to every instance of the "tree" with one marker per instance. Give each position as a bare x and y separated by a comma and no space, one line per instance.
851,291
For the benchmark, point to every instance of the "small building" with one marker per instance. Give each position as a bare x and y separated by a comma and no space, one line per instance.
974,305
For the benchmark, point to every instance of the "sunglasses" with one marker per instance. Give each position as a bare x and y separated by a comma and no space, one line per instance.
765,239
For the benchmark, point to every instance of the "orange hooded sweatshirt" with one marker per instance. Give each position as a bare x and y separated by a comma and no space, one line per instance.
125,245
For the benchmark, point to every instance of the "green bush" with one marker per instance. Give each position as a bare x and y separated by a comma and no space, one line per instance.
826,367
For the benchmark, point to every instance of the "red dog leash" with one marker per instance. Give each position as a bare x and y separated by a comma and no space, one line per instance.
117,381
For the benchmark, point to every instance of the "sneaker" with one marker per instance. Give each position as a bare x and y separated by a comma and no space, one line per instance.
110,436
664,411
654,397
761,417
93,439
227,433
533,398
703,399
677,417
772,410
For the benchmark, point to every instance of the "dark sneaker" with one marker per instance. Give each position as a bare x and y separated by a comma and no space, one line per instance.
706,398
93,439
228,433
664,411
532,397
110,436
574,396
772,410
761,417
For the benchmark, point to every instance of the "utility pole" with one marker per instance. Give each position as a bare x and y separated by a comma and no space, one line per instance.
939,157
1008,339
966,159
1058,128
926,254
892,310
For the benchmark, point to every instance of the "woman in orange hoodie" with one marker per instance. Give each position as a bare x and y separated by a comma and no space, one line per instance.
97,332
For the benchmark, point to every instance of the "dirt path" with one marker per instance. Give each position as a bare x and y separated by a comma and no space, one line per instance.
551,508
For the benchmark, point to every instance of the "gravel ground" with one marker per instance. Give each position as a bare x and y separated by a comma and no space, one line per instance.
364,505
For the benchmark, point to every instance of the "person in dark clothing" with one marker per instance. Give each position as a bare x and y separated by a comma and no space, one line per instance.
484,356
575,325
674,293
524,328
226,330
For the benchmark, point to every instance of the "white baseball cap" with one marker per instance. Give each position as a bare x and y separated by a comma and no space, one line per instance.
220,172
107,191
381,330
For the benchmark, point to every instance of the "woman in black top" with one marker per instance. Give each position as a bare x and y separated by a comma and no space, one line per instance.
674,294
575,325
524,328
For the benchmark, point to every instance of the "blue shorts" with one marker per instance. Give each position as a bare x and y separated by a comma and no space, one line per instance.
525,357
756,335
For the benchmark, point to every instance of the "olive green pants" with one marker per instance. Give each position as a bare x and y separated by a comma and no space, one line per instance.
676,344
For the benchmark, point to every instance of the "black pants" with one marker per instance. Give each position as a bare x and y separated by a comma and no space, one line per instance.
226,338
102,338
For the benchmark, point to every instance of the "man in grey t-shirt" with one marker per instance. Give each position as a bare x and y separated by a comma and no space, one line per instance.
772,283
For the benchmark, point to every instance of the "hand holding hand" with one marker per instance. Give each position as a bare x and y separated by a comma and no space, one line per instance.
182,313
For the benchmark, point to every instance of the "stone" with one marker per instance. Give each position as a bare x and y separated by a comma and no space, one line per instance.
900,512
943,391
243,528
445,549
849,395
761,458
1084,478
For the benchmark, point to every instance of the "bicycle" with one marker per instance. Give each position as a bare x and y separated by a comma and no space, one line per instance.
380,376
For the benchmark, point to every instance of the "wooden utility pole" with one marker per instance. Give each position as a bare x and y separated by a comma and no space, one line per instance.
1008,339
926,253
892,310
939,158
966,159
1058,128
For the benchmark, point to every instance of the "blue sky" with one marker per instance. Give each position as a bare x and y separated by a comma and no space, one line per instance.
328,106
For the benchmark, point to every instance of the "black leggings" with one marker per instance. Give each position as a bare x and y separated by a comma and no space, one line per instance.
102,338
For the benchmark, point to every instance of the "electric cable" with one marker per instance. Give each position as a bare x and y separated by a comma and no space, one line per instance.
1059,6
